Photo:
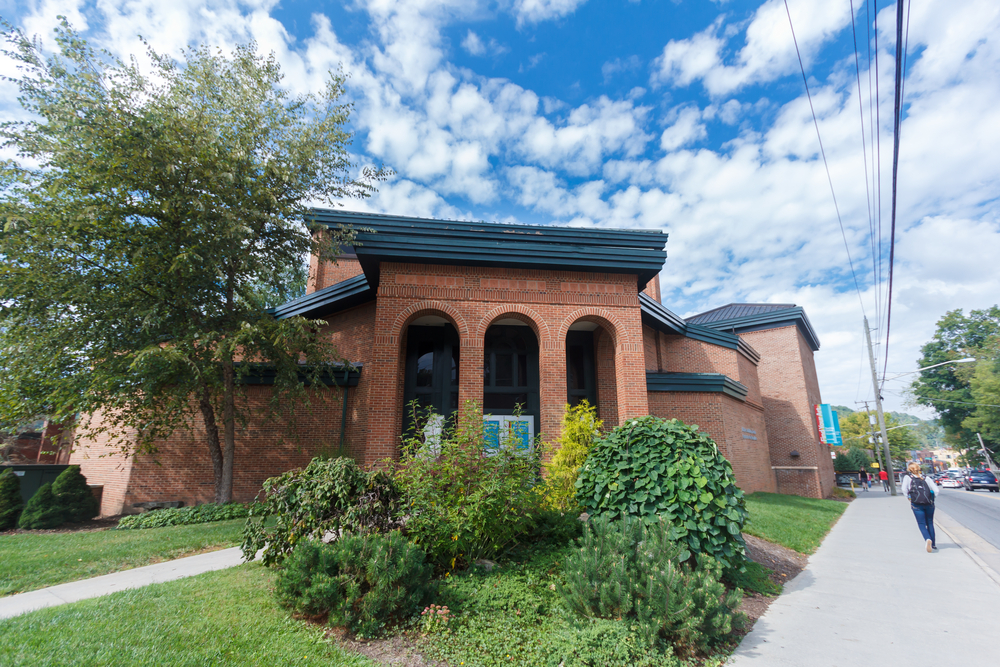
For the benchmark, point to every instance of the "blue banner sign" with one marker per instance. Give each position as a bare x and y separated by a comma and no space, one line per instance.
829,425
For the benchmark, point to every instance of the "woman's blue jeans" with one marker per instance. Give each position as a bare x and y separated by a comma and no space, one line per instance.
925,520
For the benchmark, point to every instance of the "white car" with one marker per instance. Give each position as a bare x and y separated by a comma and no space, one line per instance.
951,483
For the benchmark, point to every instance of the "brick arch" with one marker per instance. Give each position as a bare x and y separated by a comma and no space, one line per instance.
611,324
517,312
413,311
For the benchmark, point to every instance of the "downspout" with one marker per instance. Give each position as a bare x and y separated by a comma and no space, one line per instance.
343,414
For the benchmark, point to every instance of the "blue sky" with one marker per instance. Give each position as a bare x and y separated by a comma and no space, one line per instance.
688,116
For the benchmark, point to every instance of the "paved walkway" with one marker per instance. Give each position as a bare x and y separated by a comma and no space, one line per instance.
872,595
21,603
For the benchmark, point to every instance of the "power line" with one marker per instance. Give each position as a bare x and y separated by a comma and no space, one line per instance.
896,120
829,179
864,143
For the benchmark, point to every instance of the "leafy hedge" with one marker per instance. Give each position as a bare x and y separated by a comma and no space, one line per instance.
652,468
180,516
10,499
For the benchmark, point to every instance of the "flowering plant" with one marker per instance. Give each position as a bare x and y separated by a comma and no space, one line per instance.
435,619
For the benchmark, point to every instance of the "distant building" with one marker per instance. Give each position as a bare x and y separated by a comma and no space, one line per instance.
443,312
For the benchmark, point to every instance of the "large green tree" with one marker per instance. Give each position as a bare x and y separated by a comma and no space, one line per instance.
151,216
949,389
855,430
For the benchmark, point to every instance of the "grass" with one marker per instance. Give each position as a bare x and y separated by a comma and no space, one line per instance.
791,521
29,561
227,617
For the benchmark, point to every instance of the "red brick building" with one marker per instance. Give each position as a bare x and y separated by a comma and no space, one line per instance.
444,312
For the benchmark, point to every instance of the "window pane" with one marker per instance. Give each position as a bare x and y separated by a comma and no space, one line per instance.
425,365
522,370
576,378
454,364
503,401
487,382
504,370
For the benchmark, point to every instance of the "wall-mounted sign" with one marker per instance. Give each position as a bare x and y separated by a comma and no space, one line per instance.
749,433
829,425
517,433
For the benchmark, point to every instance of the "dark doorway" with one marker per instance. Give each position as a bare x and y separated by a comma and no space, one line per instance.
432,357
510,372
581,379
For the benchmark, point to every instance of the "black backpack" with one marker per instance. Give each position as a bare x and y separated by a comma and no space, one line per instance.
920,493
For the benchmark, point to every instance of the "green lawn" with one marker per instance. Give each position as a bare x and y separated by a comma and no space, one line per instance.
29,561
227,617
792,521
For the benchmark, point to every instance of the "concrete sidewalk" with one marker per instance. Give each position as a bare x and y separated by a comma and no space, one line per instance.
180,568
872,595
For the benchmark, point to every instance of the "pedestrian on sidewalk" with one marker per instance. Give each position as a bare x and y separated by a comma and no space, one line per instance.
864,480
884,476
921,492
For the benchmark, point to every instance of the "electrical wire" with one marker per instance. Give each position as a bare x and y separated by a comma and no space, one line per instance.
896,123
857,285
864,142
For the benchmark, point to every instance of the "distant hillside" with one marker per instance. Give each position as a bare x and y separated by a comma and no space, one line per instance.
929,433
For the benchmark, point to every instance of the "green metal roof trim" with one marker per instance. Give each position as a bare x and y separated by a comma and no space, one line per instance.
336,376
657,316
345,294
459,243
705,382
794,315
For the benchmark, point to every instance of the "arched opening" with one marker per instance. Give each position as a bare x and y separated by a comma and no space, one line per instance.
590,368
431,368
510,370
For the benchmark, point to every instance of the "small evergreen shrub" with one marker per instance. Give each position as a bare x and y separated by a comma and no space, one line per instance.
364,582
42,511
74,496
842,493
10,499
182,516
626,569
327,495
752,578
600,642
462,502
657,469
580,426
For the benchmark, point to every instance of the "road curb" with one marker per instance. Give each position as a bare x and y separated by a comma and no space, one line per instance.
990,572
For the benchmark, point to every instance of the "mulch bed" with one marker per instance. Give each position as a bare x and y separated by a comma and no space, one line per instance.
104,523
785,563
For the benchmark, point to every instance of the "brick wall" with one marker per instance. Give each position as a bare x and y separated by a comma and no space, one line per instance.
724,418
472,298
101,462
790,388
324,274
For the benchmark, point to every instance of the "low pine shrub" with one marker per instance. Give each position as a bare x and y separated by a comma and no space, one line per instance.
74,496
600,642
181,516
42,511
11,503
328,495
462,502
364,582
657,469
626,569
752,578
580,427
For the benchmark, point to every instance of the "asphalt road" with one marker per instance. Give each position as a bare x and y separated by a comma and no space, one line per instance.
978,511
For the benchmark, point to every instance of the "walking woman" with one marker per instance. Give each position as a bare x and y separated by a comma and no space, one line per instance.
921,491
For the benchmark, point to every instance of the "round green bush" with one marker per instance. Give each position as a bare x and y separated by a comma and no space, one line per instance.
364,582
74,496
42,511
11,503
651,468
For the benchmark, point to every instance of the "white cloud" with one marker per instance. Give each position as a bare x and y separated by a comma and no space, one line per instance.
473,44
686,129
768,51
536,11
612,68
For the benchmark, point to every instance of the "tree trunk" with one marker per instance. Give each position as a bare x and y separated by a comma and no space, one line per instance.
212,432
224,488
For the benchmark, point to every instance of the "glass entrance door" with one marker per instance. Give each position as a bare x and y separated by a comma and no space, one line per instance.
431,379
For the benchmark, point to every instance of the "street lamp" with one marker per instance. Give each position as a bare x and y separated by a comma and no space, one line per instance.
943,363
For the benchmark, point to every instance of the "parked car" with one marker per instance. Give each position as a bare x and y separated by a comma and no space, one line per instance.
981,479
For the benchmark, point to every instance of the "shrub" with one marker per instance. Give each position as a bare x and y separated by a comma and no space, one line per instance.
580,426
657,468
624,568
11,503
182,516
556,528
74,496
601,642
842,493
364,582
463,503
42,511
327,495
753,578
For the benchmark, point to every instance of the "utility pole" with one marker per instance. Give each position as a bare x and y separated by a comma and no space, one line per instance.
989,461
873,438
878,411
